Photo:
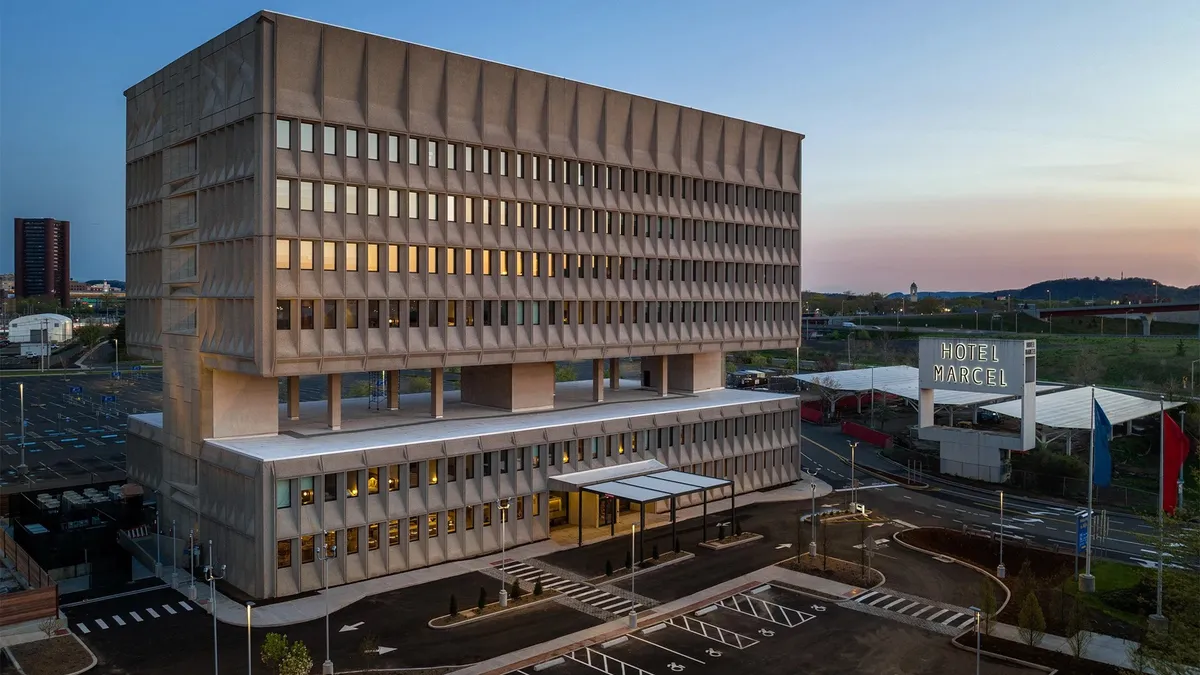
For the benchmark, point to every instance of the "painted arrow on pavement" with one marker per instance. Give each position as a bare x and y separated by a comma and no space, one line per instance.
350,627
380,650
783,546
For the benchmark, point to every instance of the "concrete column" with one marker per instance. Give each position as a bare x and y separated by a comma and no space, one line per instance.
436,390
333,410
392,380
614,374
597,380
1146,321
662,376
293,397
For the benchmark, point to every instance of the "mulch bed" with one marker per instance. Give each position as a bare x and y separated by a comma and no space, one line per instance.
56,656
734,538
1065,664
834,569
1052,570
492,608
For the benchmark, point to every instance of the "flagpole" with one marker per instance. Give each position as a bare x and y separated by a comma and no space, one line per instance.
1157,620
1087,583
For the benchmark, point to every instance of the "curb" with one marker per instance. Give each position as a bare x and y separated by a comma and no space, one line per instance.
882,576
1007,593
734,544
600,580
1011,659
95,660
506,610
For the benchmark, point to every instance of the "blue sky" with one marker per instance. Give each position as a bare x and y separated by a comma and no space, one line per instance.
963,145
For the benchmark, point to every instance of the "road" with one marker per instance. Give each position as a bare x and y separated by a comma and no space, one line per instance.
954,506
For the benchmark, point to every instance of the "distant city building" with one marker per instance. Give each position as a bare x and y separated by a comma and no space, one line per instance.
42,252
912,292
304,199
8,284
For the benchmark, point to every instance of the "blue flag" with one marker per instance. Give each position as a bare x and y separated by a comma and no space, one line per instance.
1102,431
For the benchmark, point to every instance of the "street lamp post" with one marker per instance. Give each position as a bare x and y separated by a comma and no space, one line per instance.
1191,382
212,576
1050,304
853,483
22,468
502,505
633,573
249,646
174,557
812,543
324,553
117,353
1000,567
977,612
192,564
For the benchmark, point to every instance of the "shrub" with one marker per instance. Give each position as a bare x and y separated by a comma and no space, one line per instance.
677,544
537,587
654,552
453,605
987,605
629,560
1031,623
297,660
608,568
419,384
515,592
482,598
274,649
564,373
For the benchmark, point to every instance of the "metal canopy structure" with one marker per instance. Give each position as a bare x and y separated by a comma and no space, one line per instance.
946,397
900,381
642,483
1072,408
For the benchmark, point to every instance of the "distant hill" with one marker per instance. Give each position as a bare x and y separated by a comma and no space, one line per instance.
1128,289
941,295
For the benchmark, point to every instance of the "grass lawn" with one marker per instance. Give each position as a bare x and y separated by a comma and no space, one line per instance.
1111,577
1132,362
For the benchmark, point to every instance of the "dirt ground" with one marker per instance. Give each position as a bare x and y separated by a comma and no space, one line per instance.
56,656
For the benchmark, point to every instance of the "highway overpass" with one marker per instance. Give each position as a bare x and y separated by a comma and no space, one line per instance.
1182,312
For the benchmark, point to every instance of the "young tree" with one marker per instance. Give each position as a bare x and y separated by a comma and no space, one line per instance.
537,587
50,626
1078,630
453,605
482,599
654,551
274,649
1031,623
628,560
297,660
515,593
89,335
987,605
608,570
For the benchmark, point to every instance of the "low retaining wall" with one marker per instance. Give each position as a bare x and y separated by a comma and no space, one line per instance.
867,435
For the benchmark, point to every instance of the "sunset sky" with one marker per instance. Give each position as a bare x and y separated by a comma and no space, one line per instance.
960,145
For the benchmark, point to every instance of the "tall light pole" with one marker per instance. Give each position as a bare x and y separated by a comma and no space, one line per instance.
812,543
249,647
633,574
174,557
1191,382
157,537
1158,621
117,353
22,468
192,564
324,553
1000,567
977,636
853,483
502,506
211,575
1050,305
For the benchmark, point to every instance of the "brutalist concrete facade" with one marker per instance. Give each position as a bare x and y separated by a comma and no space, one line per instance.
304,199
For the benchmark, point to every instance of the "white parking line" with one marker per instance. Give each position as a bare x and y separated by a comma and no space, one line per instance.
921,611
876,601
185,605
169,610
668,649
136,617
84,628
151,612
119,620
100,622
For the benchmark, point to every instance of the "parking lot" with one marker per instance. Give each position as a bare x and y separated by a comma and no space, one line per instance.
769,630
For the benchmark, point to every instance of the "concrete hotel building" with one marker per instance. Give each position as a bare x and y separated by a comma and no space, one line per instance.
304,199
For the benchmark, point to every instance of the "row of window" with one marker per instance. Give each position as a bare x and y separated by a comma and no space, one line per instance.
356,143
522,214
433,524
376,257
652,440
519,312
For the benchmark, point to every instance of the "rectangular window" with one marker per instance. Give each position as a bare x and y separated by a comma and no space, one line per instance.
451,159
468,262
351,256
393,257
433,525
469,461
329,256
329,203
487,464
393,313
372,257
393,148
352,540
393,203
373,537
451,211
520,165
537,505
432,469
414,475
413,154
352,143
414,205
372,145
393,477
470,517
307,196
331,314
503,212
520,508
351,483
432,214
431,151
329,483
283,315
393,533
414,259
451,261
308,548
307,313
485,207
487,262
431,255
414,529
414,314
487,161
307,491
372,201
351,199
283,254
373,481
307,137
330,144
468,158
504,458
435,313
283,494
351,313
468,210
283,193
451,522
451,469
520,459
487,515
283,554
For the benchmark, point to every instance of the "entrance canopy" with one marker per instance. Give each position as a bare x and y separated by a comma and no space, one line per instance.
902,381
638,482
1072,408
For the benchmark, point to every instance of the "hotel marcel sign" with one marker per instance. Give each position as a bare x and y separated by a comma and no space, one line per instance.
974,365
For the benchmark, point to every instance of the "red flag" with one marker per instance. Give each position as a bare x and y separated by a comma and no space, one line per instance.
1175,449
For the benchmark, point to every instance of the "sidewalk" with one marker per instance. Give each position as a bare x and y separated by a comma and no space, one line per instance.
1102,648
313,607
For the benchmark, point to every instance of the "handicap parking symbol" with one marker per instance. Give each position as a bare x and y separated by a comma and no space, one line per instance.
675,667
715,653
818,608
766,632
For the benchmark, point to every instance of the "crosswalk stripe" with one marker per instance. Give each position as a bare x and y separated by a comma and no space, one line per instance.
967,622
83,628
609,602
560,585
590,595
100,622
119,620
908,607
613,607
951,619
136,617
866,595
876,601
933,617
169,610
185,605
893,604
151,612
921,611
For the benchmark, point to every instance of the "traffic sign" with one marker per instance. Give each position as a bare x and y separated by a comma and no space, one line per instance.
76,390
116,374
108,398
136,368
1081,531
